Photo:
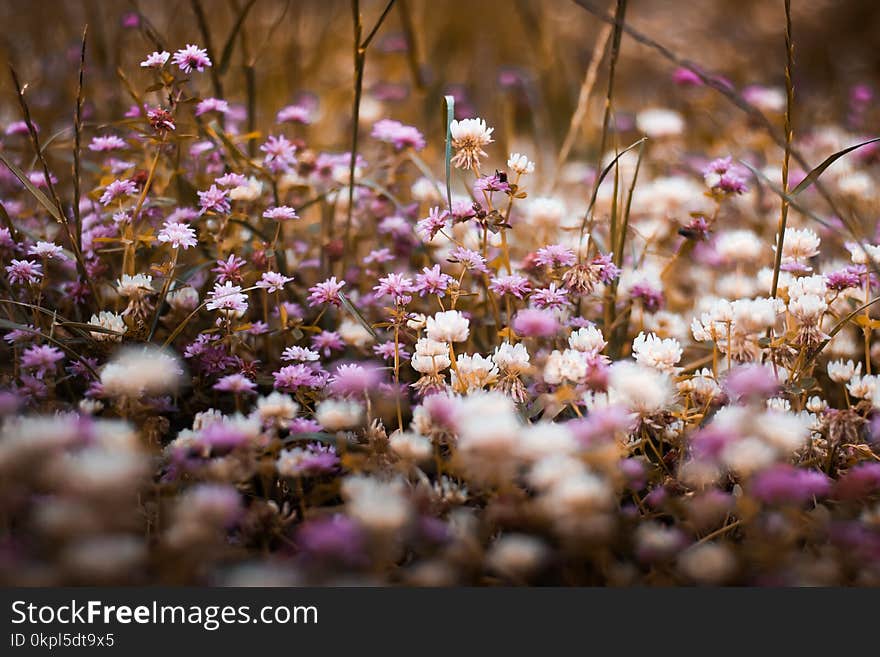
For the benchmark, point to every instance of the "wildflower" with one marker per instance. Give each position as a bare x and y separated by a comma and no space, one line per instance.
117,189
134,286
432,224
660,354
24,271
326,292
432,281
379,506
213,200
397,286
534,323
399,135
555,255
212,105
551,297
46,250
336,415
520,164
178,234
642,389
588,338
658,122
229,269
302,354
227,297
41,358
237,383
139,371
448,326
469,136
469,259
473,372
514,284
107,143
327,342
843,371
280,153
156,59
387,350
281,213
161,119
276,408
294,114
723,176
191,58
354,379
799,244
562,366
314,459
291,377
111,321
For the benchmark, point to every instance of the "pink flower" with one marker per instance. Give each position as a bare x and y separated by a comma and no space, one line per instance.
280,153
280,213
227,297
534,323
107,143
156,59
469,259
178,234
24,271
46,250
42,358
291,377
555,255
399,135
294,114
117,189
551,297
326,292
397,286
272,281
212,105
433,223
214,200
514,284
432,281
229,269
191,58
237,383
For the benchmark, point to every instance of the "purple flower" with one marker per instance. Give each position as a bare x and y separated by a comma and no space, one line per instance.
337,538
514,284
213,200
237,383
386,351
117,189
397,286
555,255
107,143
400,135
302,354
432,281
326,292
281,213
652,299
227,297
751,382
533,323
291,377
178,234
468,259
280,153
231,180
493,183
229,269
552,298
432,224
24,271
41,358
605,269
212,105
191,57
272,281
686,78
724,176
156,59
327,342
845,278
294,114
786,484
859,481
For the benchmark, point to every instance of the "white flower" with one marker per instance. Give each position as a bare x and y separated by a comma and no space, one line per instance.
379,506
642,389
511,359
658,122
520,164
813,285
517,555
739,246
587,338
543,439
336,415
863,387
135,286
660,354
799,244
473,373
276,408
841,371
468,138
568,365
410,446
860,253
545,211
135,372
250,191
808,309
354,333
108,320
448,326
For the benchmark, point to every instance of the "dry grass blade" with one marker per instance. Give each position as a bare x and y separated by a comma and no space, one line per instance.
77,142
814,174
42,199
226,55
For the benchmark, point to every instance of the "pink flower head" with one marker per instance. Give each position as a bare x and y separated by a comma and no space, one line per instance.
214,200
399,135
41,358
553,298
212,105
156,59
432,281
280,213
237,383
469,259
117,189
326,292
534,323
191,58
302,354
22,272
294,114
229,269
555,255
280,153
107,143
227,297
178,234
47,250
272,281
397,286
354,379
432,224
291,377
515,284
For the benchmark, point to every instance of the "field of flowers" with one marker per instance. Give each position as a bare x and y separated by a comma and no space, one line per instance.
423,316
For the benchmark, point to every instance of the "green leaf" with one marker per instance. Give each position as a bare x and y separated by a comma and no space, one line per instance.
36,193
450,115
813,176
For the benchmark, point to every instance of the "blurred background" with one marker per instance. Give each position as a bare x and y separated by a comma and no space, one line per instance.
519,63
